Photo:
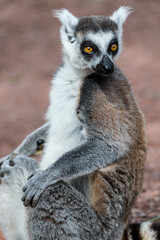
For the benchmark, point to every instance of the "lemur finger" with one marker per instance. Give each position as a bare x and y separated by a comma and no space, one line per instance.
35,199
24,196
34,173
24,188
27,198
31,176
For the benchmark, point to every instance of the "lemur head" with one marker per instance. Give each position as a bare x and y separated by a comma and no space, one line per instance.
92,43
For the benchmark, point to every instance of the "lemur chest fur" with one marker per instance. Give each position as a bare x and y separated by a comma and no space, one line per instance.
66,131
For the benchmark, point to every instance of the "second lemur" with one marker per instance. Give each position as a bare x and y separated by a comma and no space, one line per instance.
96,139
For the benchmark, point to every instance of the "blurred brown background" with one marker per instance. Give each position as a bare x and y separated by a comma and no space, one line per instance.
30,52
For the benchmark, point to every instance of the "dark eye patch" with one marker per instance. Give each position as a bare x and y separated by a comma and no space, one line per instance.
113,41
93,46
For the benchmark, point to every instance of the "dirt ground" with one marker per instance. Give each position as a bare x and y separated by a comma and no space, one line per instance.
30,51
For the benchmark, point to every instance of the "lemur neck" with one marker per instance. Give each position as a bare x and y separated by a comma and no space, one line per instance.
75,71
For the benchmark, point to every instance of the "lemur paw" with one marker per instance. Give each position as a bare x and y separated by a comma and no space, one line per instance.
34,188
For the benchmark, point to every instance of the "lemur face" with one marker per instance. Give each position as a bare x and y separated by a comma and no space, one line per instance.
92,43
98,43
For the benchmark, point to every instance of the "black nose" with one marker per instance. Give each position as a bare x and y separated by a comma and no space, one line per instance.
105,67
107,64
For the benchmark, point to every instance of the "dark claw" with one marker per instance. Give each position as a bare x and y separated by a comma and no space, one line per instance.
24,189
33,203
25,203
24,197
30,176
28,199
35,200
11,163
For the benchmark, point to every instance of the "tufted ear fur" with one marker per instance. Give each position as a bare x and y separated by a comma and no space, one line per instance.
68,21
119,17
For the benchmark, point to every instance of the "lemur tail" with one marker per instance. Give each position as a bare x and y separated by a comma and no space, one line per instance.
142,231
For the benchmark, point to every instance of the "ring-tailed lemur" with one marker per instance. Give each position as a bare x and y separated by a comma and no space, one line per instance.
96,138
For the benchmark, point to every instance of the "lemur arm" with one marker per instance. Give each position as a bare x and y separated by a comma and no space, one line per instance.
83,160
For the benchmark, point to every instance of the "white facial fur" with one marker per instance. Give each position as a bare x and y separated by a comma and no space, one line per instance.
71,42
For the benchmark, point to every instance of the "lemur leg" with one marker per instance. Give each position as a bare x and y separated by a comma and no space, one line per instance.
114,190
64,213
108,204
13,176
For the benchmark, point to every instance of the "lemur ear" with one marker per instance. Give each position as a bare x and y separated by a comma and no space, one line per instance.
67,19
120,16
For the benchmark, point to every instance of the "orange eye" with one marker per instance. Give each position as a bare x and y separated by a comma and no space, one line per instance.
114,47
88,49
